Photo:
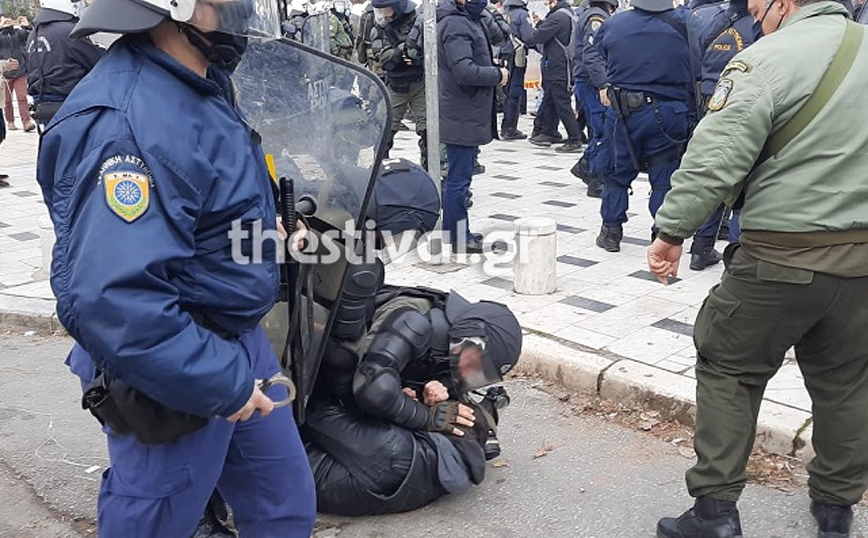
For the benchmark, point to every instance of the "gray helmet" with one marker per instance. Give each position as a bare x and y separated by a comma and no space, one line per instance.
118,17
654,6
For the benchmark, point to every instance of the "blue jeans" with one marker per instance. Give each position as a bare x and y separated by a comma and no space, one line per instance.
514,92
259,466
455,194
659,132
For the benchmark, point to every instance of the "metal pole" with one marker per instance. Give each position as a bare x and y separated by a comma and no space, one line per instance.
432,111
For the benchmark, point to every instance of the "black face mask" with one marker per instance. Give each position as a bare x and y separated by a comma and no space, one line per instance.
220,49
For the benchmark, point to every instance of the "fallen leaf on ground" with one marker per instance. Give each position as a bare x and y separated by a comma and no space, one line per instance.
500,463
545,449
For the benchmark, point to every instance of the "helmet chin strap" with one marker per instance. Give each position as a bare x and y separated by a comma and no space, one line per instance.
222,55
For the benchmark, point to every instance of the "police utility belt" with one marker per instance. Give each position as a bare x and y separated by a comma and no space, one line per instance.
128,411
626,102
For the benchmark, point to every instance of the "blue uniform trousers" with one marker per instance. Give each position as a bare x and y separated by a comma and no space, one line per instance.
659,132
594,112
455,194
259,466
711,226
514,93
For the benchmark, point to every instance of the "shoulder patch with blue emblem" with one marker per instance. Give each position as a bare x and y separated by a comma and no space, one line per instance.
721,94
127,183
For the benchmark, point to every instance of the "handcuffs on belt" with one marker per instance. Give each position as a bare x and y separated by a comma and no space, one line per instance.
279,379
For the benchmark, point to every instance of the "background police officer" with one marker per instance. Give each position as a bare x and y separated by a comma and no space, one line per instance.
165,321
396,44
799,277
55,61
521,31
648,65
728,33
591,79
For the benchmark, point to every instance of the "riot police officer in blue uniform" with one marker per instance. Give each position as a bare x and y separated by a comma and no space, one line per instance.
143,170
648,64
521,31
591,78
729,32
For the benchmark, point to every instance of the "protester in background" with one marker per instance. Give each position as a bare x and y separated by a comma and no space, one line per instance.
13,43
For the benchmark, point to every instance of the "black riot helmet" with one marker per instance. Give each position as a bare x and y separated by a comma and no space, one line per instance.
485,342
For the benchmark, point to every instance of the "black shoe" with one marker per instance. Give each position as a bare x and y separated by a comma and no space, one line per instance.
540,140
570,147
595,189
214,522
557,138
703,258
582,170
471,246
3,182
477,237
512,134
478,169
709,518
610,238
833,520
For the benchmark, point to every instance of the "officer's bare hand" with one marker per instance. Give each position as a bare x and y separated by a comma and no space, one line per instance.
604,97
663,260
434,393
298,238
535,18
258,400
504,76
12,64
411,393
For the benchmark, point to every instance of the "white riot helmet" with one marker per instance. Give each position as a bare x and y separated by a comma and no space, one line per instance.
70,7
245,18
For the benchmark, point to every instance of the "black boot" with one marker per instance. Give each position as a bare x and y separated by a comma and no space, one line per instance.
582,170
833,520
610,238
595,189
423,149
709,518
390,143
214,522
702,253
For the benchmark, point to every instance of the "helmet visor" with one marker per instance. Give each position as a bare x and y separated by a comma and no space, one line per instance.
248,18
472,368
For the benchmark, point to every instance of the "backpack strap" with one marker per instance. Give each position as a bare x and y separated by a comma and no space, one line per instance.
843,60
829,84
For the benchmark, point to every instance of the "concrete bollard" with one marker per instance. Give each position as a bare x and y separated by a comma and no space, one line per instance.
536,252
46,239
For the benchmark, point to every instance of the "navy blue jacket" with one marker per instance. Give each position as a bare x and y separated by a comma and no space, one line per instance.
144,169
644,53
467,78
555,27
729,33
55,62
518,17
590,66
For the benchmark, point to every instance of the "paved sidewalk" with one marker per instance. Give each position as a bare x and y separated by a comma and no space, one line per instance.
606,305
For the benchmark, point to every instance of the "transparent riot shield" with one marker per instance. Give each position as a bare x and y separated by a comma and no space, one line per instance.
324,124
863,16
315,31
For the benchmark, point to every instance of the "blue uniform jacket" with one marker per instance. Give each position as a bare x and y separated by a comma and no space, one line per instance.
143,170
590,66
729,33
518,18
644,53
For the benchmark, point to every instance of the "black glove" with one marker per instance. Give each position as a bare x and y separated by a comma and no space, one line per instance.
443,417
